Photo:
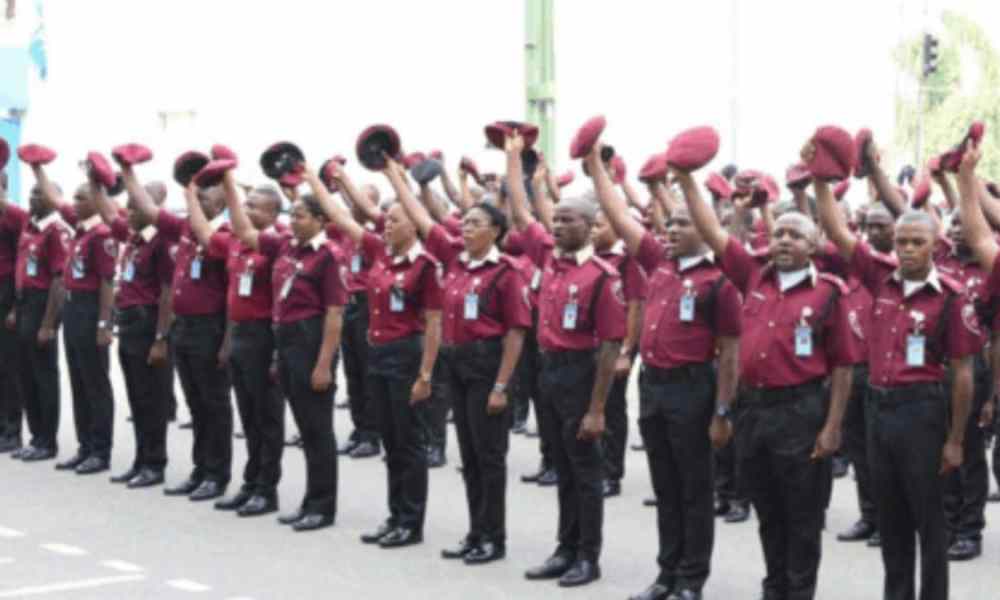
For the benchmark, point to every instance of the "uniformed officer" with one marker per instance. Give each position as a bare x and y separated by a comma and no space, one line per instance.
199,330
41,257
249,308
685,398
581,325
13,220
404,310
143,318
922,324
795,336
486,311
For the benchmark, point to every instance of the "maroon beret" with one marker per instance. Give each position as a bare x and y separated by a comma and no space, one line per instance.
861,167
934,165
717,185
187,166
413,159
618,169
35,154
212,173
326,172
693,149
565,179
436,155
834,154
951,159
290,180
221,152
4,153
761,188
498,131
374,143
797,176
280,159
587,136
921,192
131,154
655,168
100,169
841,188
470,167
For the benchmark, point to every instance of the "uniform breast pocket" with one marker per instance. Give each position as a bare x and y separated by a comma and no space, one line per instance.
754,305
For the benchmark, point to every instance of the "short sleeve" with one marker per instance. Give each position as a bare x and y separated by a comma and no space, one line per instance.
68,213
866,267
105,255
431,292
965,335
57,249
516,300
842,347
453,225
334,287
634,281
269,244
537,243
372,246
738,264
220,241
651,252
442,245
169,225
164,263
728,311
609,314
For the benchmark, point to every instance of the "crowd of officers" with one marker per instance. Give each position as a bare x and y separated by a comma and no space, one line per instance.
774,337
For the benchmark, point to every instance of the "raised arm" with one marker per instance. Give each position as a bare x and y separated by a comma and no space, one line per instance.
417,212
50,193
437,209
887,192
613,205
702,214
338,215
238,218
977,232
832,220
137,193
632,195
357,197
989,205
105,206
449,186
196,216
515,182
941,179
465,195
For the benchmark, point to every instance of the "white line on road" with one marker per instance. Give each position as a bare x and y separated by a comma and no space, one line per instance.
10,533
121,565
69,585
64,549
187,585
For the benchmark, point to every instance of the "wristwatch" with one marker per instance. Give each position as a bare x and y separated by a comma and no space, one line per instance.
499,387
424,378
723,411
103,325
160,336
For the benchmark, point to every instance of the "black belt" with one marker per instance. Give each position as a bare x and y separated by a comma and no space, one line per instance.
358,298
562,358
658,376
906,394
88,296
473,347
251,326
767,396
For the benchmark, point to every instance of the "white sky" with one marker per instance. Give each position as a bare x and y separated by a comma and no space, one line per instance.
317,72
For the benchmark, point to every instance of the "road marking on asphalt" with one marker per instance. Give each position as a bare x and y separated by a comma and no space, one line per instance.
67,586
64,549
121,565
10,533
188,586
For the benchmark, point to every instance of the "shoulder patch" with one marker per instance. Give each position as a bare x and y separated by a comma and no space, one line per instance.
618,289
835,281
970,319
110,247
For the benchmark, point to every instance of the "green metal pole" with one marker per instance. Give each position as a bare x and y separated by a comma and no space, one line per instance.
540,73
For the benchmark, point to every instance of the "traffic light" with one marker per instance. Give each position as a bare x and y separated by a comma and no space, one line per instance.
930,54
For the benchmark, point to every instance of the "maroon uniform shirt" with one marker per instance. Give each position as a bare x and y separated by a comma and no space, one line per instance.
357,263
12,223
400,290
146,266
965,270
581,302
770,356
672,338
200,280
92,256
307,278
950,327
482,299
249,296
633,276
42,252
514,247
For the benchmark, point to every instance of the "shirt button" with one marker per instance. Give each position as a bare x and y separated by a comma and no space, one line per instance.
770,324
654,327
376,311
888,354
762,355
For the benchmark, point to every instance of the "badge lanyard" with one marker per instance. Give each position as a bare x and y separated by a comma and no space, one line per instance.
76,266
916,341
246,279
803,334
687,302
129,273
287,287
196,266
472,302
570,312
31,266
356,263
397,301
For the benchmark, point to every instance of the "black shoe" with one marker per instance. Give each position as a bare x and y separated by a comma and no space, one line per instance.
312,522
519,426
651,501
10,444
657,591
365,449
126,476
611,488
581,573
486,552
464,547
258,505
71,463
348,446
37,454
18,453
93,464
208,490
554,567
374,537
146,478
875,541
292,517
738,513
234,502
295,440
685,595
183,489
722,508
964,550
533,477
860,531
401,536
548,478
840,466
186,425
994,497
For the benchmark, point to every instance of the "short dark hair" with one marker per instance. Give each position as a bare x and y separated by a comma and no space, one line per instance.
497,218
311,203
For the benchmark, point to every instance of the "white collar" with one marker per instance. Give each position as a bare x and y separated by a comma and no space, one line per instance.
789,279
686,262
89,223
618,248
411,255
317,240
148,233
270,229
912,286
49,219
493,256
580,256
218,221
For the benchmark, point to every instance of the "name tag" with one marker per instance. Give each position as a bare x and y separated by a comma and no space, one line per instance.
31,267
246,284
77,268
356,263
915,345
396,301
687,308
569,316
129,273
286,288
471,306
196,268
536,280
803,341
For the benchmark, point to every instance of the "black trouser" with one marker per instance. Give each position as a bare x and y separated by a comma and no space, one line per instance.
38,370
11,401
566,384
354,346
434,412
906,434
259,402
775,433
392,369
298,348
90,381
205,382
727,481
675,410
470,371
856,445
615,429
527,374
966,489
146,386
